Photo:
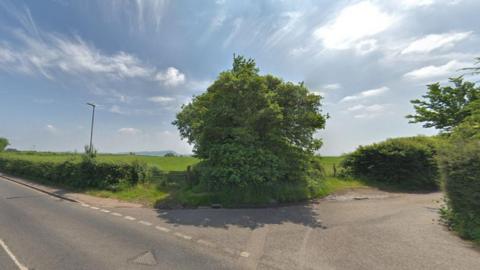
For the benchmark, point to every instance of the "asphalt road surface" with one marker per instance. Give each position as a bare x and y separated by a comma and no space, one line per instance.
361,229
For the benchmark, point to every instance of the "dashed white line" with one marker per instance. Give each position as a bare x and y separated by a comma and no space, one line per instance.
163,229
206,243
244,254
146,223
184,236
14,259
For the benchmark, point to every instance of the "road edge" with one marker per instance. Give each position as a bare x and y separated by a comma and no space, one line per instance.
39,189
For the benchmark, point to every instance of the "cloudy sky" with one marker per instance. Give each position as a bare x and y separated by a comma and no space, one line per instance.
141,60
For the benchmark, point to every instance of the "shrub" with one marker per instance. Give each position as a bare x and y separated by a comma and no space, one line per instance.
460,169
3,144
408,163
88,173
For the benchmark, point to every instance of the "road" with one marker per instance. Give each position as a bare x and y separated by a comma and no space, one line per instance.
361,229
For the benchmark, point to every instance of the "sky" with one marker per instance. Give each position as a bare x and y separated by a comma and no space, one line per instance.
139,61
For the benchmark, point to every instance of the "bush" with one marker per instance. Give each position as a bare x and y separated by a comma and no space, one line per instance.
88,173
408,163
460,169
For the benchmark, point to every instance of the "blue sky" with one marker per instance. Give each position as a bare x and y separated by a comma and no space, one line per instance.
141,60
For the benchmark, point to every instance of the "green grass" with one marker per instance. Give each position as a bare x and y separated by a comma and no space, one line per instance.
329,162
333,184
163,163
152,194
146,194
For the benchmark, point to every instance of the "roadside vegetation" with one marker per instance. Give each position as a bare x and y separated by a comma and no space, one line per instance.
401,163
161,181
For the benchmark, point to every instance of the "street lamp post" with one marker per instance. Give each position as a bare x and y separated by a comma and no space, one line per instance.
91,130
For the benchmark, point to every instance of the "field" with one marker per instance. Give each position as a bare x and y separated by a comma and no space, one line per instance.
163,163
160,191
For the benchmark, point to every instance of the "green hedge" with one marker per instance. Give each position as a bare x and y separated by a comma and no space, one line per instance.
88,173
460,168
408,163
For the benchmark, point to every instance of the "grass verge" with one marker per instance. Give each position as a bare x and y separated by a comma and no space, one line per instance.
152,195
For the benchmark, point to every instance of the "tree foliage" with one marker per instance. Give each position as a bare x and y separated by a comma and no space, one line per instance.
445,107
252,129
3,144
476,69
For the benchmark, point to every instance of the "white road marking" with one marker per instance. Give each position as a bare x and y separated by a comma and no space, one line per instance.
244,254
85,205
129,218
184,236
206,243
116,214
14,259
94,208
105,210
163,229
146,223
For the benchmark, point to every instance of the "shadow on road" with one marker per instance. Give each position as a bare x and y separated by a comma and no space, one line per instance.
246,218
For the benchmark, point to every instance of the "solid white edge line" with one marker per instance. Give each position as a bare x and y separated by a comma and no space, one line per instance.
14,259
129,218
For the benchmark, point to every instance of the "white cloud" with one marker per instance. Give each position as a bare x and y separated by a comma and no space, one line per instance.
366,46
51,128
408,4
332,86
116,109
237,25
352,24
366,94
356,108
435,41
416,3
287,29
161,99
432,71
140,14
170,77
129,131
375,108
371,108
73,56
368,111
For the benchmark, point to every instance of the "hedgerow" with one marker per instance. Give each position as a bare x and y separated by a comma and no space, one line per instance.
460,167
409,163
88,173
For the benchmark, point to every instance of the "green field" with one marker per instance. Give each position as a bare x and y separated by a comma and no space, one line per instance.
163,163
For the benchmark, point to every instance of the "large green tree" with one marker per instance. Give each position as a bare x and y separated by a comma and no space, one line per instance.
3,144
252,129
444,107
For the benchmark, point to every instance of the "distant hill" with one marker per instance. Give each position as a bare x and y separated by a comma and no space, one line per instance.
156,153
